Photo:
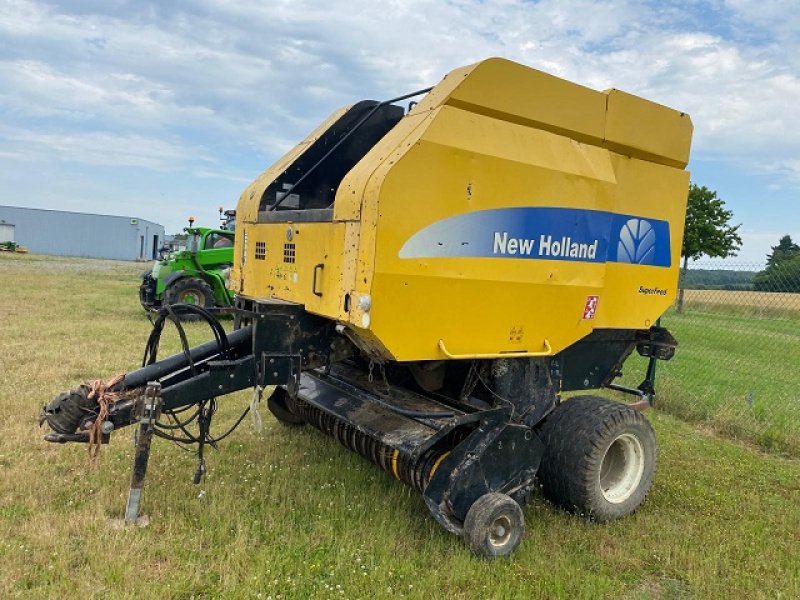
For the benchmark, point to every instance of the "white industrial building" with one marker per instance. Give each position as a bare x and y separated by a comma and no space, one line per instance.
63,233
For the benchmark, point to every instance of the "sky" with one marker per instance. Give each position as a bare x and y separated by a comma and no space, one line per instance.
162,110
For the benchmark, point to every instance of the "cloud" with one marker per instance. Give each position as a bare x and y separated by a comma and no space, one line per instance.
274,64
99,148
225,86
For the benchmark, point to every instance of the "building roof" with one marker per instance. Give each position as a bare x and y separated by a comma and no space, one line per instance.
72,212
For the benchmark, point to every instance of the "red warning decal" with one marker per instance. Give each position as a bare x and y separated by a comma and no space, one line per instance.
591,307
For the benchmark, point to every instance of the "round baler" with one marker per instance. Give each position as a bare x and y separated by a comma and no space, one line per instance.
427,286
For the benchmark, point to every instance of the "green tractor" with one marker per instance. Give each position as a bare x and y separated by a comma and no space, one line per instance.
12,247
194,274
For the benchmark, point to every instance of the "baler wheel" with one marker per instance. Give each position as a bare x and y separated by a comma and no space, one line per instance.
278,406
494,525
599,459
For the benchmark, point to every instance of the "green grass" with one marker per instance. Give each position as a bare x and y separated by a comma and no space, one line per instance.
735,372
288,513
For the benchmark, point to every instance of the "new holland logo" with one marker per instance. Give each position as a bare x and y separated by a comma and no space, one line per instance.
544,233
637,242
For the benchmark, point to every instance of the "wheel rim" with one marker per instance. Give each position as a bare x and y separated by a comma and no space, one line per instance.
500,531
192,297
622,468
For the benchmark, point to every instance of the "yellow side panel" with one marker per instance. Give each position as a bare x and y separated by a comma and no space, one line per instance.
509,91
614,119
467,163
639,294
647,130
247,215
509,211
304,266
350,194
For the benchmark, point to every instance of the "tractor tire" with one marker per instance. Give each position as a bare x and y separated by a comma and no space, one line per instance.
599,458
278,405
190,290
494,525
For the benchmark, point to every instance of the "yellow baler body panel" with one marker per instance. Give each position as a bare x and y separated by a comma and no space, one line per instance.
287,271
510,212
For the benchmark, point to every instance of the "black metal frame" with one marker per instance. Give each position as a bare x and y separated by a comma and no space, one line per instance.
451,447
371,119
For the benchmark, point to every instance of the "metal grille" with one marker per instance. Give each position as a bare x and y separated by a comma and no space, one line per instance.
288,252
261,250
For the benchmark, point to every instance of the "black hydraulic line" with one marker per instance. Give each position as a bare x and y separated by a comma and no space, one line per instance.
417,414
173,314
237,339
191,439
177,423
179,442
489,389
151,351
206,406
215,439
363,120
190,367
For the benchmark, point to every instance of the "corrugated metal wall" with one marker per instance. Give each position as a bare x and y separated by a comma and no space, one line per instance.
6,231
81,234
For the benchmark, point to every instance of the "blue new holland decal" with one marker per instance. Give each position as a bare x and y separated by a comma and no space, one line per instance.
545,233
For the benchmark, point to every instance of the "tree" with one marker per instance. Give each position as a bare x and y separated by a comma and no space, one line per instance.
782,273
707,232
785,250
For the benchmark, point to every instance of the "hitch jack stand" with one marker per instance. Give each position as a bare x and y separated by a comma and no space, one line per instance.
150,403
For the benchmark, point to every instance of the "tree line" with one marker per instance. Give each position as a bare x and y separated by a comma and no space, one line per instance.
708,232
782,273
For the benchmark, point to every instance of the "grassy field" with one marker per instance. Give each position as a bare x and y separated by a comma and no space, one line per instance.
736,369
287,513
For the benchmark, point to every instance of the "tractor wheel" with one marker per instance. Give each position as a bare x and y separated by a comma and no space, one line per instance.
599,459
494,525
278,405
190,290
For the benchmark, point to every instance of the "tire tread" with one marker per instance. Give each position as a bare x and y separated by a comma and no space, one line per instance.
576,436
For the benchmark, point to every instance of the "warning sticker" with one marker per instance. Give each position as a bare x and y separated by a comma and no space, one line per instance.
591,307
